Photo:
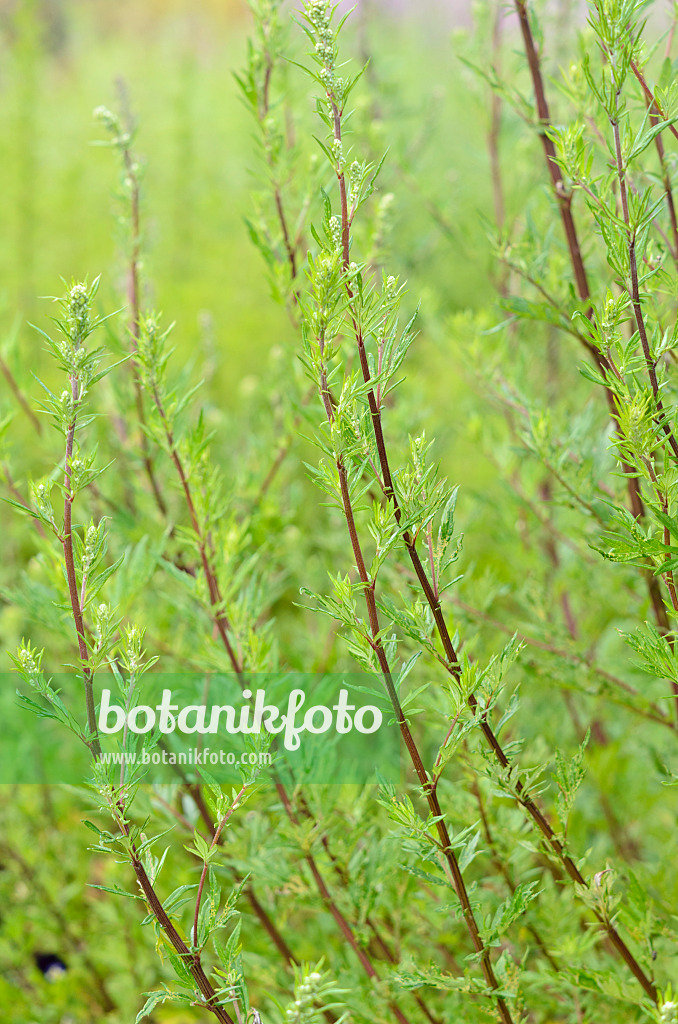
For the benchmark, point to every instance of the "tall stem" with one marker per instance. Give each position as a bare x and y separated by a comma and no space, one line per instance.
191,960
134,291
224,630
634,295
69,561
369,587
564,200
452,662
428,790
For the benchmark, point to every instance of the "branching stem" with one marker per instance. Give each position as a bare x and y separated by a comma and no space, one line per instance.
634,295
224,630
191,960
134,292
216,838
452,662
69,561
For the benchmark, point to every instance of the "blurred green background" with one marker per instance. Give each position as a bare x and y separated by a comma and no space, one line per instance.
60,60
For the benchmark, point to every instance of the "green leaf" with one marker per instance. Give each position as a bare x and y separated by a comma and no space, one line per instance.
154,999
22,508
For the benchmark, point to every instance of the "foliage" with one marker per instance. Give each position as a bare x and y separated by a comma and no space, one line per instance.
520,867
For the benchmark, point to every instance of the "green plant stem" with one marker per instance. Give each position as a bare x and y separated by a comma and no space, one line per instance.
69,561
503,869
267,923
263,110
223,628
334,910
134,293
428,790
666,182
634,295
265,919
216,837
221,620
191,960
650,96
564,201
195,792
452,662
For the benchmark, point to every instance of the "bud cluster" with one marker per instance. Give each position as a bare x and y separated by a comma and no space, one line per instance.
668,1013
319,16
152,351
111,122
29,660
76,325
306,991
326,278
41,495
94,537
